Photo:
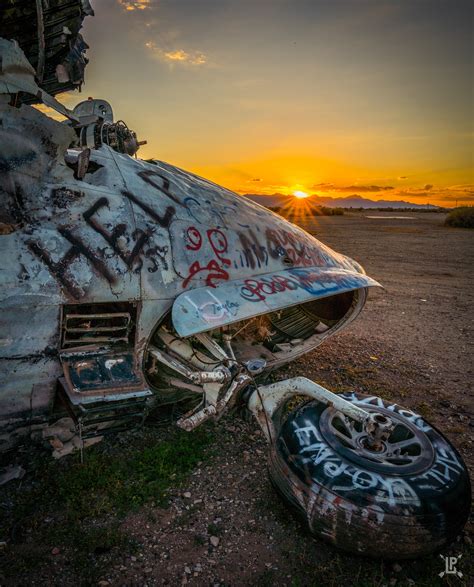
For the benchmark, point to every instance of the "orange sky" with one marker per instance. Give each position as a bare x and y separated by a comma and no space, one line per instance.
368,97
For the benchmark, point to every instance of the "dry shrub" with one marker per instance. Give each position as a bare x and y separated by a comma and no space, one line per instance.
461,217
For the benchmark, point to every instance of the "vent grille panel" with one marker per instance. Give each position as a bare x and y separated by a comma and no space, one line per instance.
91,325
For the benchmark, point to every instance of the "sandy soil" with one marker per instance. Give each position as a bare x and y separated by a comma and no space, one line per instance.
411,344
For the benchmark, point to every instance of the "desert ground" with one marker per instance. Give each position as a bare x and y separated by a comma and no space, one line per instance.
218,521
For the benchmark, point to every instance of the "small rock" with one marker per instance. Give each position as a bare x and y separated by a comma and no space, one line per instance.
187,494
133,559
214,541
467,540
187,570
393,581
55,551
396,567
103,583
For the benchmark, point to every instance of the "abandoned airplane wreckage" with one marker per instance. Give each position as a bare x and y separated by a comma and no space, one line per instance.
127,285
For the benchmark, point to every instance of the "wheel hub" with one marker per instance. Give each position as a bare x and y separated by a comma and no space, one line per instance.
401,449
365,444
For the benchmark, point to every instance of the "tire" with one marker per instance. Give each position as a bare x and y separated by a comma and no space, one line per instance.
403,503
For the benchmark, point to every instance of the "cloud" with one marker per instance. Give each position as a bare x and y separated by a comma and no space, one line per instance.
322,186
460,193
363,188
467,188
255,179
401,177
463,186
131,5
176,56
330,187
457,198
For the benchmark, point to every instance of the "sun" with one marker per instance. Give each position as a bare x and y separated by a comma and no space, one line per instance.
300,195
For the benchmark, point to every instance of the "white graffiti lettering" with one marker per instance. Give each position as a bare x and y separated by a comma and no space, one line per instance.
304,433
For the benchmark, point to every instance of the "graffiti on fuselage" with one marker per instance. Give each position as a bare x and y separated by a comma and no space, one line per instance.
244,250
258,289
215,269
204,206
60,269
212,247
116,237
279,244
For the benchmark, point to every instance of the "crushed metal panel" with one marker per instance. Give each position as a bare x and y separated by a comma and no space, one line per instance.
80,399
99,369
48,32
204,308
18,77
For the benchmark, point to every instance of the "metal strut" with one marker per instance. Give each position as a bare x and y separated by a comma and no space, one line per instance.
266,400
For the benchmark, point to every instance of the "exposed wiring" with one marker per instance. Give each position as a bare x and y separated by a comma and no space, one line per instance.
243,327
194,354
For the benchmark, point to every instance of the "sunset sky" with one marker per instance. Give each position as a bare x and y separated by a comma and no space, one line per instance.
328,97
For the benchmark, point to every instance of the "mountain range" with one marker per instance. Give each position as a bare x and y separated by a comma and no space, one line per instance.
353,201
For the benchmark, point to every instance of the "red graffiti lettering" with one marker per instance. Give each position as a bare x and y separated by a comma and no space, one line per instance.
215,267
218,242
193,238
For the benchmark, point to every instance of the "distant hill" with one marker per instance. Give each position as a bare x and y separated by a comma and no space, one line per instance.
353,201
